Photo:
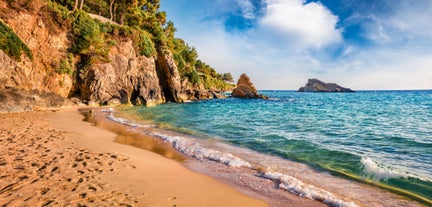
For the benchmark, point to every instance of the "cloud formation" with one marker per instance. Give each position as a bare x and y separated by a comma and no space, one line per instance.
361,44
311,24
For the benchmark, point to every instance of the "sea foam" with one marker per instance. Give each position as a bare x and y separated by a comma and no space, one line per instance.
379,171
123,121
189,148
193,149
300,188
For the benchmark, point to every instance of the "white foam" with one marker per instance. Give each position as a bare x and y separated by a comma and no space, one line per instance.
300,188
107,110
379,171
123,121
193,149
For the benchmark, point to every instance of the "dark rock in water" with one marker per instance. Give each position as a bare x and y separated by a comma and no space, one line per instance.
315,85
203,94
246,89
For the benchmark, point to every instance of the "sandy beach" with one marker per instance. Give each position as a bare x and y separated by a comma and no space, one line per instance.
54,158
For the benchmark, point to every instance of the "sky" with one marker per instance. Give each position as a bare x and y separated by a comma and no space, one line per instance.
280,44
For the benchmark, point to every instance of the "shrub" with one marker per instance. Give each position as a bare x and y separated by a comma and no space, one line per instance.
89,41
66,66
194,77
144,44
11,44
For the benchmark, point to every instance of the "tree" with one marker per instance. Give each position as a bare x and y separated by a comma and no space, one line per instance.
111,10
227,77
81,5
76,5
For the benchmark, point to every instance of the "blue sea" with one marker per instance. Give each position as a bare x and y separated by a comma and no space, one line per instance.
382,138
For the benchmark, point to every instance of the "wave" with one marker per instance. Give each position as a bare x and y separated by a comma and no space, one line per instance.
377,171
193,149
285,182
300,188
123,121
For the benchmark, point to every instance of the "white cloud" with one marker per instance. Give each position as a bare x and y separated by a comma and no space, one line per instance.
247,9
273,64
306,25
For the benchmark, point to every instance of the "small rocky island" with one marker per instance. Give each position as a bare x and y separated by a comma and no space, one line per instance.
246,89
315,85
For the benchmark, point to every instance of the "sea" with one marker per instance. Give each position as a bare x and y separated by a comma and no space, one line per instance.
378,138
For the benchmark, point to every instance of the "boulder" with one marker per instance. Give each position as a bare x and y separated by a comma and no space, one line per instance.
315,85
246,89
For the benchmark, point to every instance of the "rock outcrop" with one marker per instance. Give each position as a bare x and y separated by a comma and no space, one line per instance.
15,100
246,89
128,78
169,78
315,85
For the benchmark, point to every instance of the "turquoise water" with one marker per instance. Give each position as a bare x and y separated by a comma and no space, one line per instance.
381,136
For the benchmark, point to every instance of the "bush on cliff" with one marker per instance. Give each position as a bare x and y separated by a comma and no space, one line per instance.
11,44
89,41
143,42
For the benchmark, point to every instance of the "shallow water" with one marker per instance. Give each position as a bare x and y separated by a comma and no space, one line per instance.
378,137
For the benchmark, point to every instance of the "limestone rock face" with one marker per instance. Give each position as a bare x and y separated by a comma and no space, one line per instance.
246,89
128,78
169,78
48,44
315,85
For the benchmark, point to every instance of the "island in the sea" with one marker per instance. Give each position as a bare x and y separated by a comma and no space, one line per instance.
315,85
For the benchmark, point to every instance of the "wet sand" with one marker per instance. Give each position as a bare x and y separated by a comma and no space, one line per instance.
53,158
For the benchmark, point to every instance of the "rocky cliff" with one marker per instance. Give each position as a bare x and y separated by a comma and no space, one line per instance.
127,77
49,46
315,85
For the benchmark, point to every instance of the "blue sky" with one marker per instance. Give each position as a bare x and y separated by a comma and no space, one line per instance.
361,44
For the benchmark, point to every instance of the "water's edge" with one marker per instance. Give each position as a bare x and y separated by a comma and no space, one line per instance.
286,182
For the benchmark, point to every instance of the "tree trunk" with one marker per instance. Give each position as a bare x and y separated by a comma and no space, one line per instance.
76,5
81,5
111,10
122,18
115,14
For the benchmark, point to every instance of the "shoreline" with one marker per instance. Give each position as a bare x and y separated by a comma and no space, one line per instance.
106,162
313,183
55,158
239,179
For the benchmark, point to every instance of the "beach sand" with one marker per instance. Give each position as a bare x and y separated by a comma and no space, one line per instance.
54,158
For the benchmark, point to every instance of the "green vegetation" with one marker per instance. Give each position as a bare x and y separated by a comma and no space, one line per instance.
89,41
144,43
11,44
66,66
